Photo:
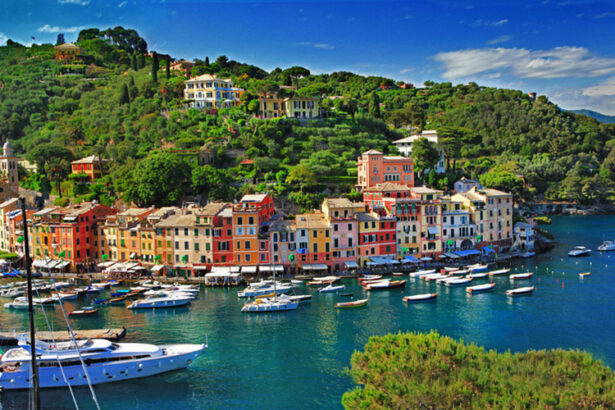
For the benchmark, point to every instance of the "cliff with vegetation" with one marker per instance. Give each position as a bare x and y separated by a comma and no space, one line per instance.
415,370
123,104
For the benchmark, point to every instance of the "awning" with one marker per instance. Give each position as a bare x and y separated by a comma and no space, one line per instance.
39,263
391,261
468,252
236,269
131,265
248,269
351,264
200,267
317,266
376,261
133,255
268,268
62,265
450,255
432,230
487,250
106,264
409,259
157,268
426,259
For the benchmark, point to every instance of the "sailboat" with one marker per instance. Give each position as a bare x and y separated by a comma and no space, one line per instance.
277,303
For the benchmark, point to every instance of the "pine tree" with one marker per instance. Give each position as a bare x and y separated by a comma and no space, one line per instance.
133,91
168,63
60,39
374,105
124,97
155,67
207,61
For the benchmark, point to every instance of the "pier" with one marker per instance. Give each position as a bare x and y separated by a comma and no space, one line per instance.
8,338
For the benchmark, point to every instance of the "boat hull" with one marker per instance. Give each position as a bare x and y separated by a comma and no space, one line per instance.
420,298
159,304
51,377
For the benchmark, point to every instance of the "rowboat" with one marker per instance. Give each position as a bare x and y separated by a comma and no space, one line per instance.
478,275
459,272
85,311
397,274
499,272
521,276
487,287
296,282
584,274
120,301
100,301
427,297
448,269
478,267
331,289
300,298
420,273
369,278
434,277
458,282
520,291
385,284
350,305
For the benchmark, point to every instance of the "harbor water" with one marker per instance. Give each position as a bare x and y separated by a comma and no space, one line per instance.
300,359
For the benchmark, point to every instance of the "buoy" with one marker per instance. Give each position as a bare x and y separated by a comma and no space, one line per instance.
556,280
562,285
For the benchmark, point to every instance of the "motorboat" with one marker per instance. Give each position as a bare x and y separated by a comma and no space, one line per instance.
520,291
420,273
397,274
386,284
458,282
60,363
20,303
85,311
350,305
579,251
607,246
426,297
155,302
296,282
584,274
487,287
499,272
331,288
13,292
528,254
300,298
521,276
270,305
478,267
67,295
251,292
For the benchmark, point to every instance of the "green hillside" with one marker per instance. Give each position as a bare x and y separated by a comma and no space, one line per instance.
111,105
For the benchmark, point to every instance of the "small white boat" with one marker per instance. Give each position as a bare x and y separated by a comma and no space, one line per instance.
584,274
435,277
397,274
487,287
520,291
351,305
154,302
13,292
300,298
579,251
458,282
420,273
449,269
499,272
478,267
20,303
296,282
427,297
607,246
277,304
67,295
251,292
521,276
528,254
331,289
478,275
385,284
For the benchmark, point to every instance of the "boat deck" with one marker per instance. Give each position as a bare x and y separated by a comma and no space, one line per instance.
8,339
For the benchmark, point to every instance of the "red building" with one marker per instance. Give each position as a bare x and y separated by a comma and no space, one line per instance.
377,238
374,168
251,245
223,238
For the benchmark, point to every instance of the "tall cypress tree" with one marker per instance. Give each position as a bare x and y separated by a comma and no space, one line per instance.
374,105
155,67
133,62
168,63
124,97
141,61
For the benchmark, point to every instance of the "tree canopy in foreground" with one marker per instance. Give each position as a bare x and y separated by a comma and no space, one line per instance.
415,370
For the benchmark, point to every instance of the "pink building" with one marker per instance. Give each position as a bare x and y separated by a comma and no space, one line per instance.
375,168
342,216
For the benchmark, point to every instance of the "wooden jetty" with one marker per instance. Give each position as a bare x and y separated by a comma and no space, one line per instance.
8,339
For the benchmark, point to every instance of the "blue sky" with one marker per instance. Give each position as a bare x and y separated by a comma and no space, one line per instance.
564,49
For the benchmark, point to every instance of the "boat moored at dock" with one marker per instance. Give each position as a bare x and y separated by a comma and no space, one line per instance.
579,251
350,305
427,297
520,291
521,276
487,287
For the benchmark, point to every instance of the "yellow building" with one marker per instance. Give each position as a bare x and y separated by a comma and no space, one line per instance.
493,215
209,91
314,241
292,107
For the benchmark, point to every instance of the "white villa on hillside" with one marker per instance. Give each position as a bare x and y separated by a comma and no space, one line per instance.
405,147
208,91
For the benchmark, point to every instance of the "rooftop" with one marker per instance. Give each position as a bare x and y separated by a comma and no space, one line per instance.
212,209
134,212
177,220
387,187
339,203
425,190
253,198
208,77
312,220
90,160
8,202
372,151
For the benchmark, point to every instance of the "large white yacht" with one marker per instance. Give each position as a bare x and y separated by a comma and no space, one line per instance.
167,301
104,361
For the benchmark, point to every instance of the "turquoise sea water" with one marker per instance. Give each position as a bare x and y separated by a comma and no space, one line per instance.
300,359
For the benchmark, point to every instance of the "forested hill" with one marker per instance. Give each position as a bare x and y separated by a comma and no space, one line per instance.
607,119
112,105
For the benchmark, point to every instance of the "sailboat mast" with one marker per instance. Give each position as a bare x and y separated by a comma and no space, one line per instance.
36,404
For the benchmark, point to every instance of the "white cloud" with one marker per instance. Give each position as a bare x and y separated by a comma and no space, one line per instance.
322,46
481,22
57,29
557,62
406,70
3,39
77,2
604,15
122,4
500,39
606,88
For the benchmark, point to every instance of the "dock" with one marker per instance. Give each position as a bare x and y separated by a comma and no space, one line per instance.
8,338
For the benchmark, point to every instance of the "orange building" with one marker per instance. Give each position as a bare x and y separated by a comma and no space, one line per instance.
89,165
375,168
250,248
68,53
